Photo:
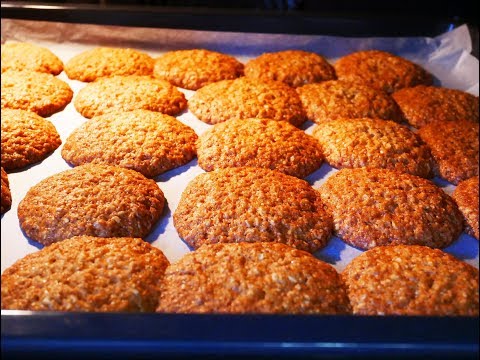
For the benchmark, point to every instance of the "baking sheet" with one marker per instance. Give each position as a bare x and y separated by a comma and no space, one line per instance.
447,57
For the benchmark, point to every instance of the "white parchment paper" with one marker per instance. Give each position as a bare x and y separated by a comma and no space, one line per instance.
447,57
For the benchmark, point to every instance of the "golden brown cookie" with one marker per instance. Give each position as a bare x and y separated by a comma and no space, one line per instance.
466,197
422,105
454,146
107,61
377,207
263,143
381,70
126,93
40,93
29,57
244,98
252,278
27,138
334,99
94,200
353,143
193,69
6,194
293,67
86,273
146,141
411,280
252,205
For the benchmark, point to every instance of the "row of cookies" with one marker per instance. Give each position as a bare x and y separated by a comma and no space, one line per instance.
446,149
345,142
419,102
193,69
370,206
152,143
130,275
243,97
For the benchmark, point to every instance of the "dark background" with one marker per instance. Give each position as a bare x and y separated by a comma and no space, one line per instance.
461,9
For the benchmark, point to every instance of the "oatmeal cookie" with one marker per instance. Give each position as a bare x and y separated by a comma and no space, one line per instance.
411,280
466,197
335,99
252,278
353,143
94,200
29,57
244,98
422,105
252,205
6,194
40,93
381,70
146,141
195,68
27,138
86,273
293,67
125,93
376,207
107,61
263,143
454,146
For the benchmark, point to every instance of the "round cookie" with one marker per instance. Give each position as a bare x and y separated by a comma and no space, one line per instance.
29,57
146,141
334,99
411,280
353,143
422,105
94,200
454,146
107,61
126,93
293,67
244,98
40,93
6,202
377,207
263,143
252,278
467,199
86,273
252,205
27,138
381,70
193,69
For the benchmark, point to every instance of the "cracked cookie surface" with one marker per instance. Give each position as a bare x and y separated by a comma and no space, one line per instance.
411,280
94,200
252,205
377,207
252,278
86,273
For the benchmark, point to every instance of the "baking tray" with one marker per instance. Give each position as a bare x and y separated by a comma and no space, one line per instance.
106,335
84,335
